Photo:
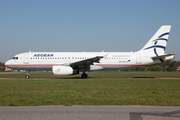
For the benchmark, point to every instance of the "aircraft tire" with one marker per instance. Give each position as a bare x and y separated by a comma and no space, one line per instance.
27,76
84,75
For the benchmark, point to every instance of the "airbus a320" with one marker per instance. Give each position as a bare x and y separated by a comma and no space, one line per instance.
71,63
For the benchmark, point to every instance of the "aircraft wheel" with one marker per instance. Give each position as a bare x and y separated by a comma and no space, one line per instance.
27,76
84,75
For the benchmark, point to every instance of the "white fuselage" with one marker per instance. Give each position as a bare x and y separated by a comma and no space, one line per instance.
111,60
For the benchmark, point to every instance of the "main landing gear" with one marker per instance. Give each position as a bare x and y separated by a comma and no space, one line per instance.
27,74
84,75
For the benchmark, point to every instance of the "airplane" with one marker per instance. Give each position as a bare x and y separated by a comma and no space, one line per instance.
71,63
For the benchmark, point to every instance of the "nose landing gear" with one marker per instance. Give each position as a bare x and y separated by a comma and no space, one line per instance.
27,74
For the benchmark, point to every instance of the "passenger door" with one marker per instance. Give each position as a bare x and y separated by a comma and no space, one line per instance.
26,58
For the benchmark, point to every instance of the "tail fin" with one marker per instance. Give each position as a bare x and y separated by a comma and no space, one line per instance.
157,44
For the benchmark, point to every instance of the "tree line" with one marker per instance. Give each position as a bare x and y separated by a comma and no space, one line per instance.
169,65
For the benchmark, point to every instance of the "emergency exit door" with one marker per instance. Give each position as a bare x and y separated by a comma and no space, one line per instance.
138,58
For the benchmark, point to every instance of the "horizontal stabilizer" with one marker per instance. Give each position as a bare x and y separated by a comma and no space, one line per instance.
162,56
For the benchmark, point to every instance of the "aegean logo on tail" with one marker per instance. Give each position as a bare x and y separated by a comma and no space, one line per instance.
156,41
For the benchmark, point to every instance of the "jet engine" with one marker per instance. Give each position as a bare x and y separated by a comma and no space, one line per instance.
64,70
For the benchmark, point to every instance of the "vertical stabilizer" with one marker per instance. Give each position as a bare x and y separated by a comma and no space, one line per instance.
157,44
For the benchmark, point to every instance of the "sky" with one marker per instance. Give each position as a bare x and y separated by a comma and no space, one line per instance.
85,25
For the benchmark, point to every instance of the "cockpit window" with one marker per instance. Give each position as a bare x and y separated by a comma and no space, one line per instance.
14,58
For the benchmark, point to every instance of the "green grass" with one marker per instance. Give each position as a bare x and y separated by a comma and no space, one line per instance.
98,75
135,75
90,92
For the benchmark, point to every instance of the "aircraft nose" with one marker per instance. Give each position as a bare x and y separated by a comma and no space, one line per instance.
7,63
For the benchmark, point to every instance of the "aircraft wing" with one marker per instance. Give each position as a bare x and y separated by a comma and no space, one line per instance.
85,64
87,61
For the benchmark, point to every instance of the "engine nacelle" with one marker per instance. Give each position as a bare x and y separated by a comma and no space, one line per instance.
63,70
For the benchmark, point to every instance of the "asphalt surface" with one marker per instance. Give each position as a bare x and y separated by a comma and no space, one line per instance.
90,113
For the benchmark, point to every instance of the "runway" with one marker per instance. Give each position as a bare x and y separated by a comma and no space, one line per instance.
90,113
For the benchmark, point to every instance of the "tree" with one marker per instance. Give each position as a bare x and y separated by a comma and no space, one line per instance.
2,67
1,64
